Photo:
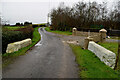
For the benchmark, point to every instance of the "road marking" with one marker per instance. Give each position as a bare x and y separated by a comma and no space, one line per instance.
39,43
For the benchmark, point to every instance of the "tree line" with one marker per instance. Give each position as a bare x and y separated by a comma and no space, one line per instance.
84,15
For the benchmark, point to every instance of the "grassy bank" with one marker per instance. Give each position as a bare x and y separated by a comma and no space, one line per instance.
90,66
9,57
59,32
112,46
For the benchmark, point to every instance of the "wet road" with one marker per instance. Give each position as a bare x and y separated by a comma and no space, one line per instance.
50,58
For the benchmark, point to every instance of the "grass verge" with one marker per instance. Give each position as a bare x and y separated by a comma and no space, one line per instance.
90,66
59,32
7,58
112,46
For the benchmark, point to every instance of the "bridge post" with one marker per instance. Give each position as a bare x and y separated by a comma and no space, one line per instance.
86,42
74,31
103,35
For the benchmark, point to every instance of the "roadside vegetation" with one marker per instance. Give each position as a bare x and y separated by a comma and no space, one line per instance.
58,32
9,57
112,46
90,66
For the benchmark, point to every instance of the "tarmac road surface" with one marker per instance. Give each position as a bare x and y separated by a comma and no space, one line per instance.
49,58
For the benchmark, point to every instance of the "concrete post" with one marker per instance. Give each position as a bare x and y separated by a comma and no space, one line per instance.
86,42
74,31
102,35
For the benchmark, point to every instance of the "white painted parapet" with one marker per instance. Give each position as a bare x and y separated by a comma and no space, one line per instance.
12,47
103,54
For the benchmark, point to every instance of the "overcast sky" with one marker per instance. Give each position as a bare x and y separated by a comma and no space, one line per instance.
34,10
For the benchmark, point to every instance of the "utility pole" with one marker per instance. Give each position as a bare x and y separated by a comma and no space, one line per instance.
48,20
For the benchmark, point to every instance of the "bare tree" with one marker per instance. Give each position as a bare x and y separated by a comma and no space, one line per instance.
83,15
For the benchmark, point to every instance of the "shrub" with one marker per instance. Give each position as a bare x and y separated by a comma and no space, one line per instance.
35,25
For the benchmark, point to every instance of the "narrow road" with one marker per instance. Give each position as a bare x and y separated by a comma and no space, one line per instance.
49,58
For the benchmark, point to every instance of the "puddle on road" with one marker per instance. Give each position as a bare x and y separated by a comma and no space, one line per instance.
71,42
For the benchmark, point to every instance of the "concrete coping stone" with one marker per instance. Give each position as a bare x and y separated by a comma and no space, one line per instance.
103,30
12,47
105,55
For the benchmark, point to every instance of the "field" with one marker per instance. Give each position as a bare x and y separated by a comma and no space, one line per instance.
14,27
